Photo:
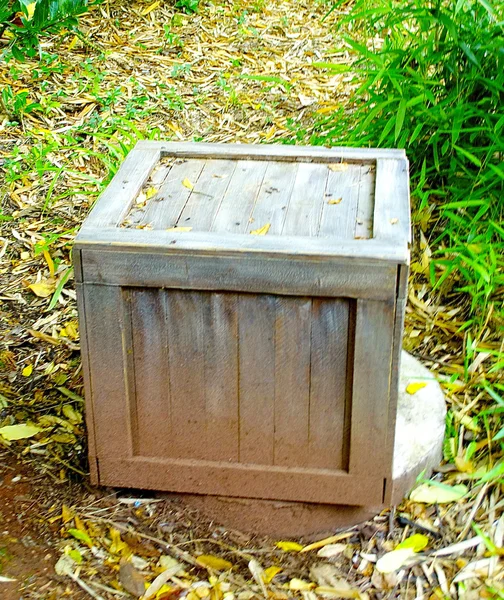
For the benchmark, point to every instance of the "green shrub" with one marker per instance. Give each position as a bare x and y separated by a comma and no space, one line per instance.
26,20
429,78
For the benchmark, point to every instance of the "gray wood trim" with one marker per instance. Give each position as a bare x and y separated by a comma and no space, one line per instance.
392,201
167,242
251,481
371,387
115,202
269,151
241,274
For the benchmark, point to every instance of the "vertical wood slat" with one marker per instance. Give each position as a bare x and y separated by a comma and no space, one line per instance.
365,209
273,197
328,393
106,349
392,211
305,206
221,376
256,327
163,210
234,212
184,323
152,382
205,198
371,387
339,219
292,381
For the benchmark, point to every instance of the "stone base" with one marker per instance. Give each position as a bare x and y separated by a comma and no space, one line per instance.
419,436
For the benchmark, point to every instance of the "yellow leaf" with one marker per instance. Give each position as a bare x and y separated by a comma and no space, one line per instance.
329,540
214,562
72,329
30,10
393,561
27,371
338,167
72,415
262,230
300,585
289,546
186,183
438,494
43,288
412,388
82,536
269,573
19,432
66,514
334,200
79,524
180,229
117,546
150,8
25,255
417,542
49,262
74,41
394,221
149,192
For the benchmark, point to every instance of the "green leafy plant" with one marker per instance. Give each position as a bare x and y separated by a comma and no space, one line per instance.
25,20
189,6
432,81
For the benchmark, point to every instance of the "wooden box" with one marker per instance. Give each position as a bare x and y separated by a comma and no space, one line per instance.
241,316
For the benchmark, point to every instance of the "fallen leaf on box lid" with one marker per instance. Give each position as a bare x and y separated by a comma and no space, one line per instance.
262,230
438,494
187,184
19,432
131,579
337,167
334,200
179,229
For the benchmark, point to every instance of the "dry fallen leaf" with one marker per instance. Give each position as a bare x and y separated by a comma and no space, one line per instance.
262,230
338,167
438,494
214,562
27,371
412,388
394,221
329,540
289,546
179,229
270,572
186,183
43,288
334,200
19,432
131,579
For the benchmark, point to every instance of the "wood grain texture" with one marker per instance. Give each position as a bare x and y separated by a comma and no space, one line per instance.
114,204
328,390
254,274
252,481
235,210
306,203
205,199
152,382
392,206
256,331
339,219
371,387
292,381
366,202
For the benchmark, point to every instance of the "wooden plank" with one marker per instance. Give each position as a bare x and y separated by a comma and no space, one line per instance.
221,376
163,210
292,381
207,195
273,197
86,373
235,210
256,330
328,391
252,481
106,348
185,332
270,151
305,206
152,383
256,274
371,388
141,241
342,187
115,202
365,210
392,202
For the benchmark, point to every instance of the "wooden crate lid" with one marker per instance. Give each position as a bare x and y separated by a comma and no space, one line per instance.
340,195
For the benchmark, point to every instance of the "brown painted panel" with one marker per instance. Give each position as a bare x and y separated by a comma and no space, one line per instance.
152,382
292,381
328,393
256,330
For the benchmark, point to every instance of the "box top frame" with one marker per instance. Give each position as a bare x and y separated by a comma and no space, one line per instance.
391,213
